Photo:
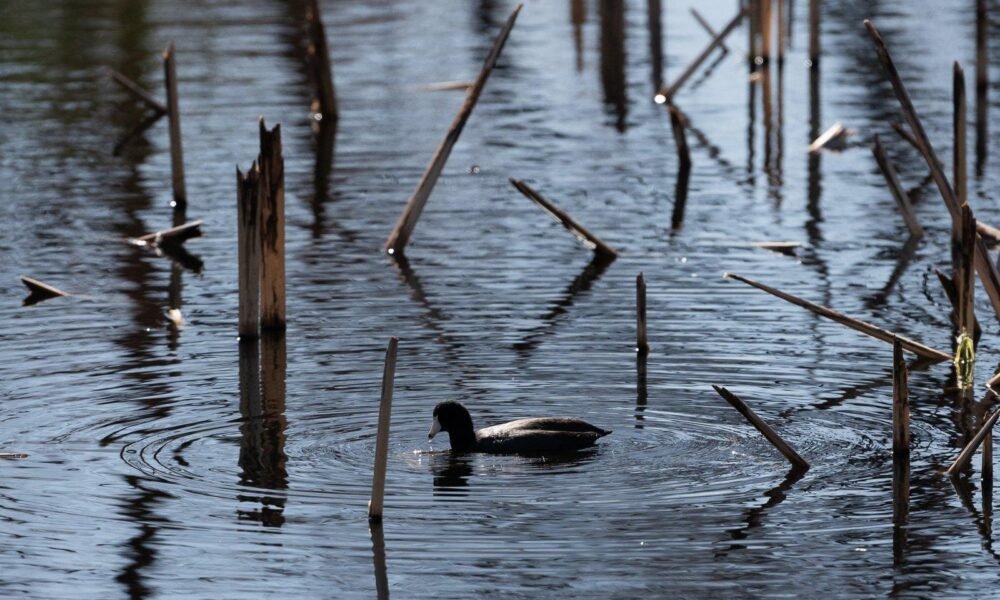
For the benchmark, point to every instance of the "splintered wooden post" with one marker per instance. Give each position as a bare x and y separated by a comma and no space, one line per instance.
680,138
892,180
319,58
591,240
970,448
982,82
814,46
707,27
666,93
141,94
985,268
248,192
641,343
958,123
272,229
765,429
401,233
173,113
855,324
382,439
900,437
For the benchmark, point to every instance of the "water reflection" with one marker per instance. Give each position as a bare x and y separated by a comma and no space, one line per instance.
754,517
140,549
378,561
903,260
578,16
325,140
451,473
612,13
641,393
680,197
262,457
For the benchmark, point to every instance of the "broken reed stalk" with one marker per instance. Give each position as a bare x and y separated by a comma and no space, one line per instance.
248,193
855,324
765,30
141,94
765,429
680,139
401,233
982,81
319,62
174,235
707,27
272,229
984,267
963,246
958,124
666,93
641,342
173,113
970,448
900,437
814,46
382,437
948,284
41,291
589,239
892,180
993,382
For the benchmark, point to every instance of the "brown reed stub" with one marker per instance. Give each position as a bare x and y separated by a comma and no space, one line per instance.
272,229
174,235
173,113
142,95
814,41
641,341
707,27
958,127
966,455
667,93
589,239
900,195
403,230
982,83
38,291
766,430
248,194
900,437
677,124
319,63
855,324
375,504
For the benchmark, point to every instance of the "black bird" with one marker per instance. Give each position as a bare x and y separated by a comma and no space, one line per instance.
534,436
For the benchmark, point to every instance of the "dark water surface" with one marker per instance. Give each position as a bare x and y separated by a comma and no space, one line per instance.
150,475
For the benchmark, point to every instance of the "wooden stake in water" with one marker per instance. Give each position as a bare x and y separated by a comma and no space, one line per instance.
982,83
641,343
900,437
173,113
382,439
401,233
958,124
248,192
666,93
319,59
970,448
892,180
567,221
765,429
272,229
855,324
814,45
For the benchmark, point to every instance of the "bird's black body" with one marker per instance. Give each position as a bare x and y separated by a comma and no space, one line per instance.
534,436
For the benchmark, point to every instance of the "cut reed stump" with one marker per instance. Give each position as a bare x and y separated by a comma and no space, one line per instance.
973,445
958,128
705,25
401,233
680,139
892,180
382,437
272,229
38,291
139,93
665,94
855,324
319,63
986,270
814,42
248,194
173,112
768,432
641,342
900,437
589,239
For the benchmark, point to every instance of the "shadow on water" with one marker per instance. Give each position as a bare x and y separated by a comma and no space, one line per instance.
903,260
612,13
262,457
451,473
591,273
754,517
140,552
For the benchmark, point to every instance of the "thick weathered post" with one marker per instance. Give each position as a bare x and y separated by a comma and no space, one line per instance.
272,229
248,251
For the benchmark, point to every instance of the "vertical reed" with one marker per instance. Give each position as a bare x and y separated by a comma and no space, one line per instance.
382,439
958,123
248,250
641,343
900,437
173,112
319,59
982,83
814,45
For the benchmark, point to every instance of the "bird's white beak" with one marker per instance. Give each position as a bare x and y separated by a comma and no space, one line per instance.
435,428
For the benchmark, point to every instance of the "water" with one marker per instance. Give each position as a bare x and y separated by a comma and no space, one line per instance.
151,474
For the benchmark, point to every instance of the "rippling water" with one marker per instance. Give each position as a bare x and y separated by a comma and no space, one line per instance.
154,469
